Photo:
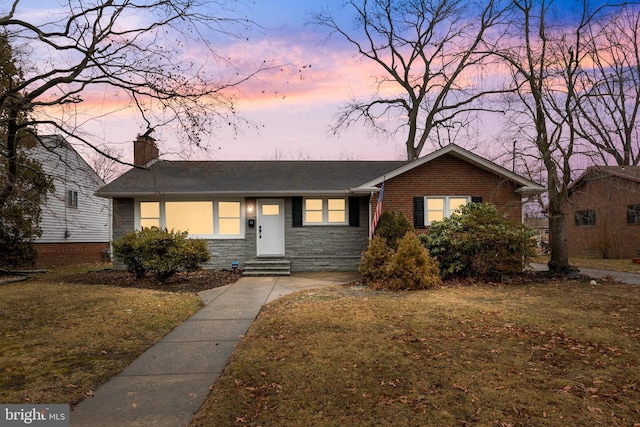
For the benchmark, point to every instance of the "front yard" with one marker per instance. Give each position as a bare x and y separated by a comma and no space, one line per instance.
61,336
540,354
543,353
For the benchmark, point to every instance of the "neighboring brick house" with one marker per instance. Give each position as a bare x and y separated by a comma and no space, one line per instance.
76,224
603,213
314,214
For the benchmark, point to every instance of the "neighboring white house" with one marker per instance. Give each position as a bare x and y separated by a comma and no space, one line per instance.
76,225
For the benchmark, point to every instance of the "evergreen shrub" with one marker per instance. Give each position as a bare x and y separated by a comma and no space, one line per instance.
160,252
477,240
393,226
411,267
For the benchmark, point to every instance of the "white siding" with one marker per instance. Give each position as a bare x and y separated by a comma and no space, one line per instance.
90,221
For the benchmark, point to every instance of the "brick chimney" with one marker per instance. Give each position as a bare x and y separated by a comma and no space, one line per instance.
145,149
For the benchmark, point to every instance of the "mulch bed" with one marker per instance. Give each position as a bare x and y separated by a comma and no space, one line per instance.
192,282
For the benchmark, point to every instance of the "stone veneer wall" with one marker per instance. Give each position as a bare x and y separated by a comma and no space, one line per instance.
326,248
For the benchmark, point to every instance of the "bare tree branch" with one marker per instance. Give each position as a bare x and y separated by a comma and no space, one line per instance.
430,53
137,49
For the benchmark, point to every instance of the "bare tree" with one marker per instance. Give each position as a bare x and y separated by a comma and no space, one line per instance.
105,166
608,105
431,54
548,75
136,50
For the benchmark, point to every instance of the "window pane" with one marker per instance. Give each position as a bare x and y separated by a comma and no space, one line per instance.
435,216
456,202
194,217
586,217
336,204
313,204
313,216
337,216
268,210
435,209
229,209
435,204
149,214
633,214
229,226
149,222
149,209
313,211
337,210
229,218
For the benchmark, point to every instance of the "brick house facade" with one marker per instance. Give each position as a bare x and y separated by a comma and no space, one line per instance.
448,175
603,213
321,211
56,254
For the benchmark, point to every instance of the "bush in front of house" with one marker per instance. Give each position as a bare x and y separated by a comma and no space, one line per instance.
409,267
393,226
160,252
477,240
373,265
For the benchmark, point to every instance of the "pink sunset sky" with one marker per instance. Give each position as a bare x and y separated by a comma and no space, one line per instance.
290,108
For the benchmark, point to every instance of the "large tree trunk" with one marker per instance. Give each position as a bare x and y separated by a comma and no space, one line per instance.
12,158
559,261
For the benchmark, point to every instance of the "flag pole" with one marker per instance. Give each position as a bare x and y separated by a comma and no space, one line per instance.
378,212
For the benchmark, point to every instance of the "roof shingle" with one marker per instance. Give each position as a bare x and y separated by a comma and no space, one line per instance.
246,177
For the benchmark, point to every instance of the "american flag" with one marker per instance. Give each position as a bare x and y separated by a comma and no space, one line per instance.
376,215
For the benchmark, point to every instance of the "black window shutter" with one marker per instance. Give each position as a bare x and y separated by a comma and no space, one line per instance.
477,199
354,211
296,204
418,212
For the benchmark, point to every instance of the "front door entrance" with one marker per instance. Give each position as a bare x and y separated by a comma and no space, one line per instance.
270,223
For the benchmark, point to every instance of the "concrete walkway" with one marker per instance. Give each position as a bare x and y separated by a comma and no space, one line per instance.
166,385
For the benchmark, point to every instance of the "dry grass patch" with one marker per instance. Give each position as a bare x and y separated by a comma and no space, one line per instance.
555,354
59,341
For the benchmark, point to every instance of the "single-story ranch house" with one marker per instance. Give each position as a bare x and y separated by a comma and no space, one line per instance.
315,215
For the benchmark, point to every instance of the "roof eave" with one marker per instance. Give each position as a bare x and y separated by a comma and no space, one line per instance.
531,191
460,153
287,193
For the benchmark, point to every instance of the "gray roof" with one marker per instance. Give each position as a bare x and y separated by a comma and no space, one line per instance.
273,178
257,178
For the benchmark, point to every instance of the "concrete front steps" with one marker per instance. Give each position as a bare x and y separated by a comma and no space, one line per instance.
267,267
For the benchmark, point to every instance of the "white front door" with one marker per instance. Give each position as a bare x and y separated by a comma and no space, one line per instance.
270,224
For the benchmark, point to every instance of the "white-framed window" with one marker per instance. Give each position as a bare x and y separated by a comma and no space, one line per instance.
228,218
72,198
149,214
439,207
325,211
196,217
217,219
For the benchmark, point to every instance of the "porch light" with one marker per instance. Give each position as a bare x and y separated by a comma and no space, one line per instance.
249,208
